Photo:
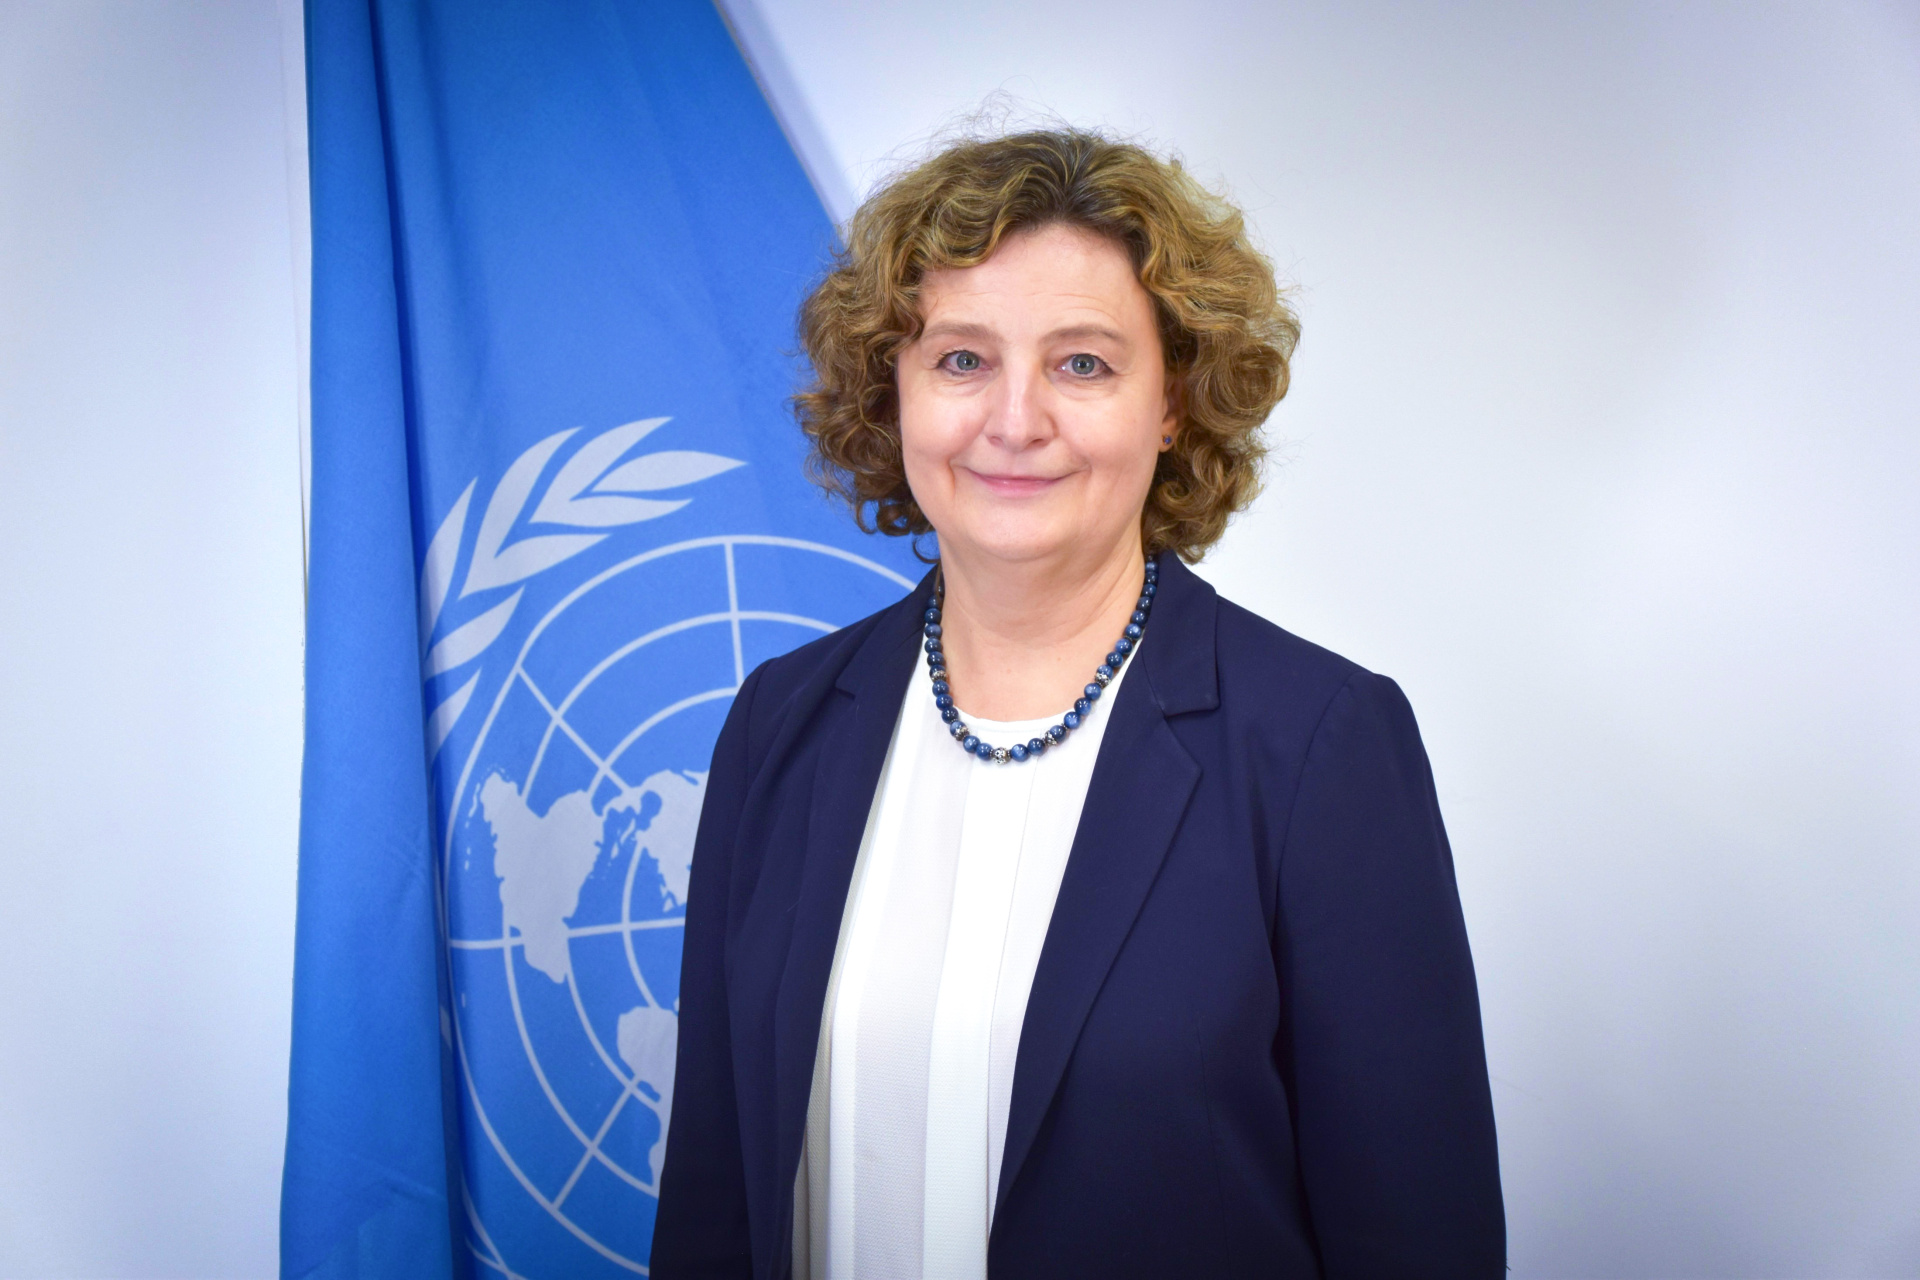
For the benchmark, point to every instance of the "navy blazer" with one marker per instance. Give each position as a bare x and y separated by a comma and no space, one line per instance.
1253,1042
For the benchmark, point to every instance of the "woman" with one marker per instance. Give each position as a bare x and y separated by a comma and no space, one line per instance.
1065,919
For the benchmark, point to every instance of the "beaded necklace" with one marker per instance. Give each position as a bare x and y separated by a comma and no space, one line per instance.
1103,675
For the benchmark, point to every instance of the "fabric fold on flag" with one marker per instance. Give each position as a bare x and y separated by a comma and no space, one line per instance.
558,514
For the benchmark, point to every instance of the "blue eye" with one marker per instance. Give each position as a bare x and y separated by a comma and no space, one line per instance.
1083,365
963,361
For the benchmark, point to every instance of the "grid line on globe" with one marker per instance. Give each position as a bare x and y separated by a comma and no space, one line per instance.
567,812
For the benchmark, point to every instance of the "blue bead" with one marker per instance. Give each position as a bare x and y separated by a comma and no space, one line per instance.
1017,752
933,629
958,729
1148,587
1057,734
1133,631
984,751
942,701
971,743
1143,604
1104,671
1139,616
941,688
1123,645
1092,691
933,646
932,615
1114,660
1071,719
1082,706
949,714
1036,745
1153,568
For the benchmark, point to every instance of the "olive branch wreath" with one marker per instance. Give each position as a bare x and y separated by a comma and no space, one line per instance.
592,490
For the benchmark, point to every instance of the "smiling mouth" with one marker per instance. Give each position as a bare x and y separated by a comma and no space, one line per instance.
1015,486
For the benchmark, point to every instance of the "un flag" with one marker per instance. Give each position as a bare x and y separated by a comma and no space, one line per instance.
558,513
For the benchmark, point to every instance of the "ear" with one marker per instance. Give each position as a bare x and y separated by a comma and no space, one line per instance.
1170,424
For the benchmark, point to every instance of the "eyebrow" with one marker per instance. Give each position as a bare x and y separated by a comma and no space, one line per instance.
948,329
957,329
1088,331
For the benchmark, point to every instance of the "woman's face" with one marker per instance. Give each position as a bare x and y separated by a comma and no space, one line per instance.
1034,402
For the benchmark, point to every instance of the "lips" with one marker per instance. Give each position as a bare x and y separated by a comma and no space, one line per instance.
1015,486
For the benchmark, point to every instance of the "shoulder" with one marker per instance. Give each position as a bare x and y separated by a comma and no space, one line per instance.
1247,641
1210,655
1333,748
1274,678
787,690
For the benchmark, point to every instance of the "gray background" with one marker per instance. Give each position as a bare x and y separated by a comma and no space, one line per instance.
1605,443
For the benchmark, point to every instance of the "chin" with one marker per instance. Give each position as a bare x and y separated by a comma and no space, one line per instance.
1022,540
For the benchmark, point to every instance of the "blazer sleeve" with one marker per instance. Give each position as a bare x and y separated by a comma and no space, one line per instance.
1394,1118
700,1229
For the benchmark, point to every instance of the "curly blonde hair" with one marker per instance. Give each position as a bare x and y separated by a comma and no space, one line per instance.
1225,326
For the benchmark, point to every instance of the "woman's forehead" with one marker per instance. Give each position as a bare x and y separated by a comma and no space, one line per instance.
1051,279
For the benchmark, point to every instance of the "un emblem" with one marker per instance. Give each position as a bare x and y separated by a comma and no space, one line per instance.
568,837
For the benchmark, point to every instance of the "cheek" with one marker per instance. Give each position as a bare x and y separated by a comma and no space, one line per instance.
933,429
1127,443
920,437
927,446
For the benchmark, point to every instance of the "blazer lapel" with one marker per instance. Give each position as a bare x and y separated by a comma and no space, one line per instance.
848,772
1141,785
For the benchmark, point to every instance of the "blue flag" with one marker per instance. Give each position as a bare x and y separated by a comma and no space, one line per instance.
558,513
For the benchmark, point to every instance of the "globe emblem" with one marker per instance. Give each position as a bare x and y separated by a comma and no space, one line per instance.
566,862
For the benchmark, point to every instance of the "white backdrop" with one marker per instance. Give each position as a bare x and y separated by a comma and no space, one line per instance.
1605,441
150,569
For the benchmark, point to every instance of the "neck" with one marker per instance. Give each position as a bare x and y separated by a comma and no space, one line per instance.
1021,638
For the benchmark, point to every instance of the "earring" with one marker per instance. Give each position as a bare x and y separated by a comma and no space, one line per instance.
1166,439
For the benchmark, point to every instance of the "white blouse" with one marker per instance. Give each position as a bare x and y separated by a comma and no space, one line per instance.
951,896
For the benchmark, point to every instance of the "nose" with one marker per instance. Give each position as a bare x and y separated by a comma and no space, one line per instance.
1021,416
